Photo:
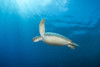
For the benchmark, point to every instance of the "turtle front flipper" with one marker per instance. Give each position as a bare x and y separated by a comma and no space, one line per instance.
37,38
42,27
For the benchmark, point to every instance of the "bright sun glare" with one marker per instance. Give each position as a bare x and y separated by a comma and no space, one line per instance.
31,5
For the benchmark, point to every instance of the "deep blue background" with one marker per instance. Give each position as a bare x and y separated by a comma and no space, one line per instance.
78,20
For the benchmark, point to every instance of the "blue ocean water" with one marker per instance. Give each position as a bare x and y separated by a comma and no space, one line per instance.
79,20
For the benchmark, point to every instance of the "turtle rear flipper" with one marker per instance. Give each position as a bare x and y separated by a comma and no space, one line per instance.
71,46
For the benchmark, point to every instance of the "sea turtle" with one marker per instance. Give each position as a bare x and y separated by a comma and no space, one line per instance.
53,38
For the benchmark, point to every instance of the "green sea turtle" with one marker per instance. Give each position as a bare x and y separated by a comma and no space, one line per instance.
53,38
